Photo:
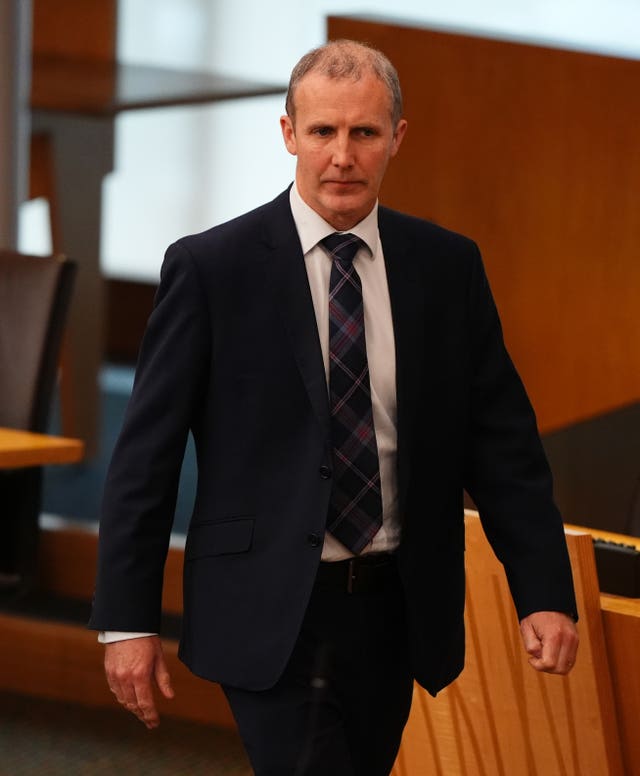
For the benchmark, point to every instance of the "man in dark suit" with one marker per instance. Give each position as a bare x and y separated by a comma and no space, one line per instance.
342,370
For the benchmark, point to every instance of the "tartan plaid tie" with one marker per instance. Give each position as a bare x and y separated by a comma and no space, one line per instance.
355,511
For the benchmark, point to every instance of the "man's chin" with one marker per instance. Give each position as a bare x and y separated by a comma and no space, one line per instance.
342,216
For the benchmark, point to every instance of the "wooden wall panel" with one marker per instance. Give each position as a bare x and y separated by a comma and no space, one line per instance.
84,29
534,153
501,717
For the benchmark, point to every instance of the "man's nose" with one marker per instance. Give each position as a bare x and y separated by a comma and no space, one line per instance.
342,152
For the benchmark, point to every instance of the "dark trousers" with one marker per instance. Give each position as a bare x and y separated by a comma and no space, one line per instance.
341,705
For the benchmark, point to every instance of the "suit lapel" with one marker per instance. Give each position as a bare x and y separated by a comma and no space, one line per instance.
296,304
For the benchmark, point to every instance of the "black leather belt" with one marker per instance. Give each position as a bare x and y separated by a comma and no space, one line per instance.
363,574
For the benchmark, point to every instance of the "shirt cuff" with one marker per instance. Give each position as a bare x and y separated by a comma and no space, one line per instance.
109,637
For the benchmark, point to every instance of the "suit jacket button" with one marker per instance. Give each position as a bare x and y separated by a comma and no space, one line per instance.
314,540
325,472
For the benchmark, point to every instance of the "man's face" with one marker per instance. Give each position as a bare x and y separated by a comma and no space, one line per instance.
343,137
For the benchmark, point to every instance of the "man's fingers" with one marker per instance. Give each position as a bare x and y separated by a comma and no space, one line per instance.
132,666
546,658
122,689
567,648
145,709
551,640
162,677
532,643
136,695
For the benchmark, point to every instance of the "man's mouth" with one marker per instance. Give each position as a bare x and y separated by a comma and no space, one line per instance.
342,183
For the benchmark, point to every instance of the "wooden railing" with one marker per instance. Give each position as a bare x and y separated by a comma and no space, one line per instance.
501,717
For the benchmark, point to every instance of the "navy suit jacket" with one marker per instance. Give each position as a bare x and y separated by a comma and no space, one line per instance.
232,353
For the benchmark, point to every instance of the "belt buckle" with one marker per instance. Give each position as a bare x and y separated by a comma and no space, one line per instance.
351,575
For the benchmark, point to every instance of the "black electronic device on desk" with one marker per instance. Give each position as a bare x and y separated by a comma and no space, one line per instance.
618,566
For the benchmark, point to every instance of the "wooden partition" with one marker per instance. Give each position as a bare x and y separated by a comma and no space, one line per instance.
534,153
501,718
62,660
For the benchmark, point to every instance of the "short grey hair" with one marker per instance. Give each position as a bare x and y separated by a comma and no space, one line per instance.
347,59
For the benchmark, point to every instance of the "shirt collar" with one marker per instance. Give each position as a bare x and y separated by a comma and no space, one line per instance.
312,227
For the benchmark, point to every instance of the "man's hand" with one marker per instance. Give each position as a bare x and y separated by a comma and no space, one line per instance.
132,667
551,639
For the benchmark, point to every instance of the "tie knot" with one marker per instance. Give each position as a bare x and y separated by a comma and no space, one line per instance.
342,246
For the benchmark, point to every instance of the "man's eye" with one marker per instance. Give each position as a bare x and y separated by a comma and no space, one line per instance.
367,132
322,131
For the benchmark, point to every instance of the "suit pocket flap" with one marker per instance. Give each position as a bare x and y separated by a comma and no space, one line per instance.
224,538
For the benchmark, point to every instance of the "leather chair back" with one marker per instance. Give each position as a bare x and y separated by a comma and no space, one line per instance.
34,298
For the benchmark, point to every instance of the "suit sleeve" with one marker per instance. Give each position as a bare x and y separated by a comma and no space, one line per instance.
506,471
142,481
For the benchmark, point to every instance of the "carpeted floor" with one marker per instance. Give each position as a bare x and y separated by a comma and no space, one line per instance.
49,738
40,737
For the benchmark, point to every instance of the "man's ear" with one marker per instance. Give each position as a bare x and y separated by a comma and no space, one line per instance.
401,128
289,134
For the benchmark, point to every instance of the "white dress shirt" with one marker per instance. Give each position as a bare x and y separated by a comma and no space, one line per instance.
369,264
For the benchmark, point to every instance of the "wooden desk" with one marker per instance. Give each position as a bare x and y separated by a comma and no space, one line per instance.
75,101
608,536
23,448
